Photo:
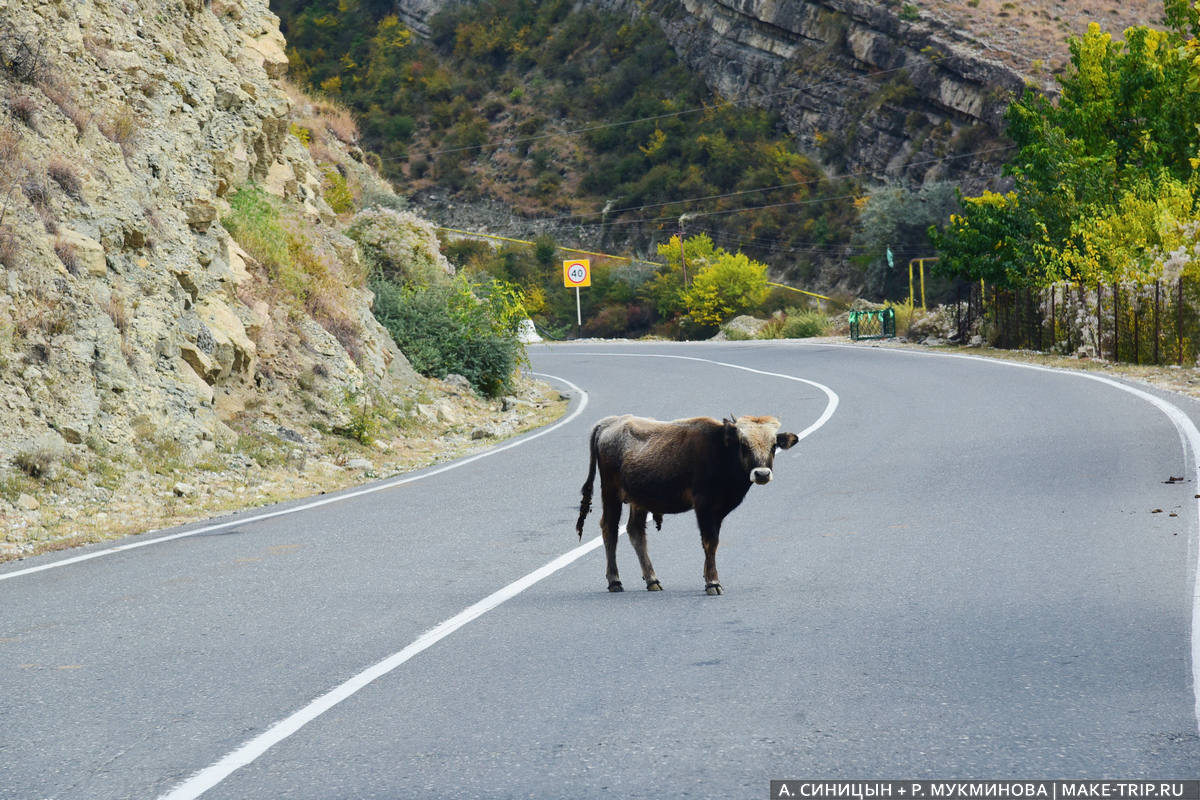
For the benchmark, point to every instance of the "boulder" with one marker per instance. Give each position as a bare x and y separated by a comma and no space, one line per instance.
89,253
746,326
233,353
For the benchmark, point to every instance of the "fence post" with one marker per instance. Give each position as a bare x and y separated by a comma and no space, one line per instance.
1179,323
1137,323
1054,317
1116,322
1157,321
1038,322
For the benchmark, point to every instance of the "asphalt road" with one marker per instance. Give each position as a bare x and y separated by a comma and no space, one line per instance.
959,574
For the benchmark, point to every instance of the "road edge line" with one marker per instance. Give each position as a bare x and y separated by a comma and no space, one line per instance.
1189,435
323,501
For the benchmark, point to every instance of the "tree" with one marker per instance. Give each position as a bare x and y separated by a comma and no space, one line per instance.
666,289
733,284
719,285
1103,176
898,217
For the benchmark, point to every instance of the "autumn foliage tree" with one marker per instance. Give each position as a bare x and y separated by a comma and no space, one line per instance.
1105,177
717,285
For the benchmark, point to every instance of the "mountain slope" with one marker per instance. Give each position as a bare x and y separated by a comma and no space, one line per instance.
147,360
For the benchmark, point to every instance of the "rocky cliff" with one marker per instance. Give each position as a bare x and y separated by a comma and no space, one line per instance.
887,90
139,342
871,92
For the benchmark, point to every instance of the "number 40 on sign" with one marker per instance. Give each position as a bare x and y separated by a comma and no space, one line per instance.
577,273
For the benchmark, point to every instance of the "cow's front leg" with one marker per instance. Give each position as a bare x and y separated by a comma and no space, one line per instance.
610,518
710,535
636,527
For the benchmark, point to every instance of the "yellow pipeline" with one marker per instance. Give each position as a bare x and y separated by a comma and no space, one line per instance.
802,291
618,258
920,262
564,249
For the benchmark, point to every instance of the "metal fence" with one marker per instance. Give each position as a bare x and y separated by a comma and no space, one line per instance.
874,324
1149,323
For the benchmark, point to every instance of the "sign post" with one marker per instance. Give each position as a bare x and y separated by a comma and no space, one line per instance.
577,273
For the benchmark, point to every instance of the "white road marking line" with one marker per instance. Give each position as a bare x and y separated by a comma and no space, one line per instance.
831,396
1189,437
324,501
209,777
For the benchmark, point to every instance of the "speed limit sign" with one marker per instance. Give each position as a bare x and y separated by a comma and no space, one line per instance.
577,273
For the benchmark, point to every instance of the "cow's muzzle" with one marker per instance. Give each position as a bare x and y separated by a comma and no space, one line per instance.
760,475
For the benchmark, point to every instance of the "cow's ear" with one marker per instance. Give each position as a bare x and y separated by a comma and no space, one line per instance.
730,431
785,441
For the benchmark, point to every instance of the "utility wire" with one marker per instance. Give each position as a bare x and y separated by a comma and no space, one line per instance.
792,185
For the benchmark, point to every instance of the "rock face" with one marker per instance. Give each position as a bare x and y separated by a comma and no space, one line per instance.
869,92
130,318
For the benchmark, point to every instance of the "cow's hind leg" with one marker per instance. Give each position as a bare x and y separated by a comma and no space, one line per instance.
710,535
610,519
637,537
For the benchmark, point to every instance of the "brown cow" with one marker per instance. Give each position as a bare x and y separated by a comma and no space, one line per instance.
671,467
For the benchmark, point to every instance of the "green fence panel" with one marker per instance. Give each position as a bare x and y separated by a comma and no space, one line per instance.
877,324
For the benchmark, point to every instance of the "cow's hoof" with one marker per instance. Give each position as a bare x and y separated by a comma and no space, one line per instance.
713,589
616,586
653,586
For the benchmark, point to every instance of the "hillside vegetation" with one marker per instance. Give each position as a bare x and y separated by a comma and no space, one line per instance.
571,113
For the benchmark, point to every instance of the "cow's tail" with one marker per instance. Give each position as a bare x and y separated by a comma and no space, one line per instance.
585,505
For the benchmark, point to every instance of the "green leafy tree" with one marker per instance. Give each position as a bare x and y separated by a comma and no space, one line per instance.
1103,176
667,289
898,218
719,284
733,284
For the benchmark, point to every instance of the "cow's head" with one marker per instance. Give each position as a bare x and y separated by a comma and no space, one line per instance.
757,439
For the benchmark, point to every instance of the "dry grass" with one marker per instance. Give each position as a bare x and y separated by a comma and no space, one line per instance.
23,107
63,173
1021,33
9,253
36,190
120,126
338,121
10,150
322,117
64,98
115,308
68,255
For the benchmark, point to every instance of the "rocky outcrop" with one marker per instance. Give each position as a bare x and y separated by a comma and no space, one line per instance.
877,89
870,92
129,318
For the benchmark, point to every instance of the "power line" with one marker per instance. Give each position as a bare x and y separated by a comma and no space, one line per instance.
791,185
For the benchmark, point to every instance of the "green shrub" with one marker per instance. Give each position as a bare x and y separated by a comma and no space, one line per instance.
447,329
254,222
337,192
796,324
402,246
310,276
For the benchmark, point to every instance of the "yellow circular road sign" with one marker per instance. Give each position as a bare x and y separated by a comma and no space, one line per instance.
577,273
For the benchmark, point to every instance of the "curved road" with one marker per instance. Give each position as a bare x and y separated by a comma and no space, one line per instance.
960,572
